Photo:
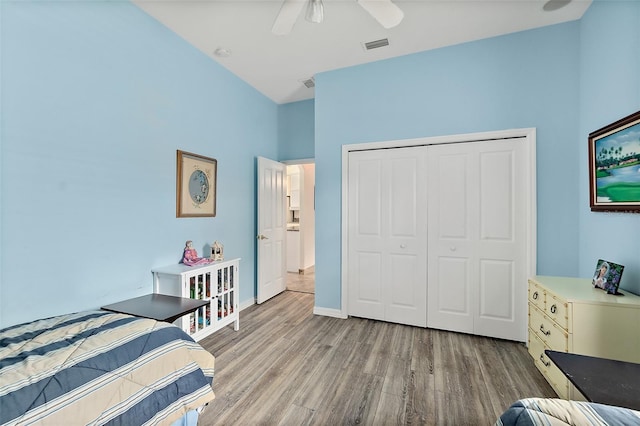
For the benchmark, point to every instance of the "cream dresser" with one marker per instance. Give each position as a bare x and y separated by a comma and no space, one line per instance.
570,315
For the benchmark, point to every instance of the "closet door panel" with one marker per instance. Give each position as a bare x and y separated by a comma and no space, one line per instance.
403,187
366,245
451,206
407,233
484,174
367,190
366,290
449,302
502,241
387,207
452,193
453,286
407,293
496,291
497,195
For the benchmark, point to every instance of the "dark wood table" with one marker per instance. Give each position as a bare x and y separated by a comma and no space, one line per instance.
601,380
157,306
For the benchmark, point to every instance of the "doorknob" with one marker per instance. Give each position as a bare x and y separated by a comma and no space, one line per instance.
262,237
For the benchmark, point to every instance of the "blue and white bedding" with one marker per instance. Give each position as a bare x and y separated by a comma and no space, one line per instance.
552,412
101,368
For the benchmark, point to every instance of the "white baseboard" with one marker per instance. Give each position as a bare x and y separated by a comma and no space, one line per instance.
326,312
308,270
244,305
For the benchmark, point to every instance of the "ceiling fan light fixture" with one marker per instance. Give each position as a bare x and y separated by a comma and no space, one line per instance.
552,5
315,11
384,11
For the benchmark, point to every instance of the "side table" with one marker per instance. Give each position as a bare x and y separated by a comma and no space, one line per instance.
160,307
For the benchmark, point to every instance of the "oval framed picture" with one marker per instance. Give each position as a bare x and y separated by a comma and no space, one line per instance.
195,185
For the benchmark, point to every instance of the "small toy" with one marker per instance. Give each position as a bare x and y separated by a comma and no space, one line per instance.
190,256
217,250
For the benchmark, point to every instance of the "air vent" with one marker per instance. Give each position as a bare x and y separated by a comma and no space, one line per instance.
376,44
309,83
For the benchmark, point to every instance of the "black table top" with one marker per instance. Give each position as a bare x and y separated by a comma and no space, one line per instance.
159,307
601,380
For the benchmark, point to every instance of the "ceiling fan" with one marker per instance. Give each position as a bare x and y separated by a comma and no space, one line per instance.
384,11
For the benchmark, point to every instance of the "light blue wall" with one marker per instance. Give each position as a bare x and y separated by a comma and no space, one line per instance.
96,98
528,79
609,91
296,130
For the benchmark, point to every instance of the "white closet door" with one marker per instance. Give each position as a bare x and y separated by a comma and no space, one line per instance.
477,238
387,235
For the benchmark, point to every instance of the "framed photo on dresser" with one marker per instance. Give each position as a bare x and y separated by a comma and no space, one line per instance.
607,276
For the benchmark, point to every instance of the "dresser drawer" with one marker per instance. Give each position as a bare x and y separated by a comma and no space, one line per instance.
554,376
548,331
556,309
536,295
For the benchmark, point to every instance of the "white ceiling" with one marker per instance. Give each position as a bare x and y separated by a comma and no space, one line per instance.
277,65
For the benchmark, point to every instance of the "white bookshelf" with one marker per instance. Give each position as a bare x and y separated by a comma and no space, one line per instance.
218,282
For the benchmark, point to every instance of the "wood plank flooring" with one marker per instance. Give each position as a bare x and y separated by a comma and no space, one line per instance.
304,283
286,366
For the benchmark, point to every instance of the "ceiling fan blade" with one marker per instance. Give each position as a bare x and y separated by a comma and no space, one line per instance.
384,11
287,17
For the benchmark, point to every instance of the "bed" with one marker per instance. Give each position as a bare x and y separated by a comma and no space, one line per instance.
557,412
99,367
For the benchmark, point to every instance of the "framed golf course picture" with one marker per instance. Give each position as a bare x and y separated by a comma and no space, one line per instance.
614,166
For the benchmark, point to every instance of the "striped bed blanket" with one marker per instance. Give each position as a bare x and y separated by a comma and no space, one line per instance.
557,412
98,368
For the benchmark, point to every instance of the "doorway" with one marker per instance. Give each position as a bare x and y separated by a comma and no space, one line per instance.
300,213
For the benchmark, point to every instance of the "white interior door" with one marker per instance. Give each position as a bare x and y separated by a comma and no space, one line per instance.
477,238
387,235
272,229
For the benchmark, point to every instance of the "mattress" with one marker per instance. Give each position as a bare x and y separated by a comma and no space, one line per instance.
557,412
100,367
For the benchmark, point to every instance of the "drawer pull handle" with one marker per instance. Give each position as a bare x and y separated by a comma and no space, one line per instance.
535,296
553,309
545,332
545,363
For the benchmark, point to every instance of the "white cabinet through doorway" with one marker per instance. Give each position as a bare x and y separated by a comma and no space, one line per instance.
437,236
293,251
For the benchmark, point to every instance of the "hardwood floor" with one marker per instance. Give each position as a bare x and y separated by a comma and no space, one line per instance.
304,283
286,366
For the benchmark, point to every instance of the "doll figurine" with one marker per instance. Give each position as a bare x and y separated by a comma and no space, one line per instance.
190,256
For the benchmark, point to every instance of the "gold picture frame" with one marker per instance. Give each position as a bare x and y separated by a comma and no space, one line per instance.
196,178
